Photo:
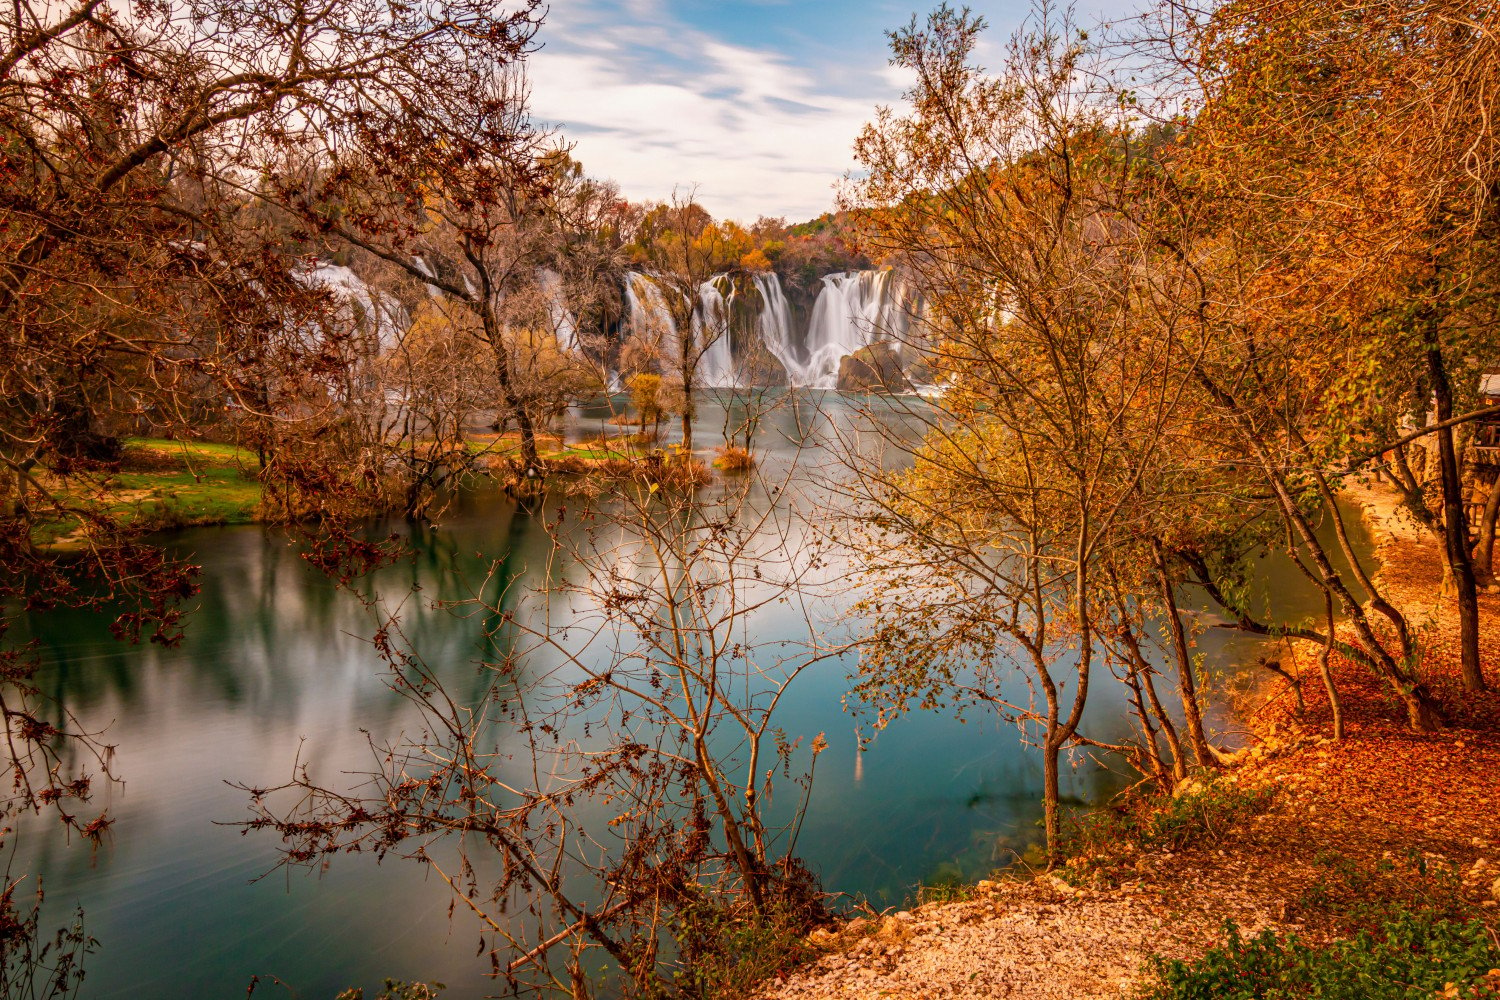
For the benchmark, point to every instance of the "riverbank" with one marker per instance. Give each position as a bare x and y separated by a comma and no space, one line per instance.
1385,821
161,483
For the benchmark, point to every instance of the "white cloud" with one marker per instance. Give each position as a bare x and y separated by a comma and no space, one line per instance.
655,104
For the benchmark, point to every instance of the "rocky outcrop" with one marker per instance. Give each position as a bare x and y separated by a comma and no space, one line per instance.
876,368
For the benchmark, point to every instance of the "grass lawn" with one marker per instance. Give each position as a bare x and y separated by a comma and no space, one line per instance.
167,484
186,482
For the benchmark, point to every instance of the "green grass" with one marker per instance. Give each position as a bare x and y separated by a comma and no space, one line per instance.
166,484
207,452
211,497
212,483
1412,955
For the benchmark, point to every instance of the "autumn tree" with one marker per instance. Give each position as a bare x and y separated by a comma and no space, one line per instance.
137,294
683,250
997,193
1352,147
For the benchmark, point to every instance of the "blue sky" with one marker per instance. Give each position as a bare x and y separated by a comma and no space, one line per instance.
756,102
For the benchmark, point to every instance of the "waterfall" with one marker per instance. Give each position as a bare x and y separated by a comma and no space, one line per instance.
711,337
378,313
564,326
775,325
649,319
854,309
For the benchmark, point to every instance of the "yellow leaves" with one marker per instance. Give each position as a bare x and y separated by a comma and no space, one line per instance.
755,260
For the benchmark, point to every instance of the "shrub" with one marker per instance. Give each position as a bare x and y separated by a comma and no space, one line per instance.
646,398
1412,956
675,468
1360,894
727,954
725,951
733,458
1205,808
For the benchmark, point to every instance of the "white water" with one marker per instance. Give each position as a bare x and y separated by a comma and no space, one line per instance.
564,326
380,315
711,338
854,309
775,324
649,319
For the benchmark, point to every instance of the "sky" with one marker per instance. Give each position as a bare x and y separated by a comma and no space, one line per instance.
752,104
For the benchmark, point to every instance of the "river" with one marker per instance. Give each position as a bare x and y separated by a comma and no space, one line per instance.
276,667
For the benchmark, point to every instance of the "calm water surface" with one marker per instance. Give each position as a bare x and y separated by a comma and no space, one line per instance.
276,668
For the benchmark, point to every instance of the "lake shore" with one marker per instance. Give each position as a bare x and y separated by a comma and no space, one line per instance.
1385,817
162,483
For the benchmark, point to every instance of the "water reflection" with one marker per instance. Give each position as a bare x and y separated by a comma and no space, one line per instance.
277,667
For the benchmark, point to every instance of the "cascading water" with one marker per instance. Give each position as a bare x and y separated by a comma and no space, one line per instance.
854,309
648,319
564,326
711,335
775,325
376,311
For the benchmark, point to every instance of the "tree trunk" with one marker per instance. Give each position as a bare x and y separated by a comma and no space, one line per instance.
1455,522
1051,800
1168,730
1187,687
529,457
1485,549
1335,703
1421,711
1152,749
689,410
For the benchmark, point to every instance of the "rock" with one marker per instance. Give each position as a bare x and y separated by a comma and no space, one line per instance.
1495,889
985,885
1058,885
760,369
875,368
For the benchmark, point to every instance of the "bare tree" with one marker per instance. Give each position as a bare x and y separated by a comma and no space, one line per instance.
628,808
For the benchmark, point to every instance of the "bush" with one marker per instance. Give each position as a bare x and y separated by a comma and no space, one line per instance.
1412,956
646,398
728,954
725,951
733,458
1204,808
396,990
674,468
1359,894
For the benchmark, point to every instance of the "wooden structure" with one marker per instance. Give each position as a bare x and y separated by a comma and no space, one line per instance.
1486,442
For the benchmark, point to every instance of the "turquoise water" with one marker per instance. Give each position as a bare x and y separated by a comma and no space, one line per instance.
276,668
